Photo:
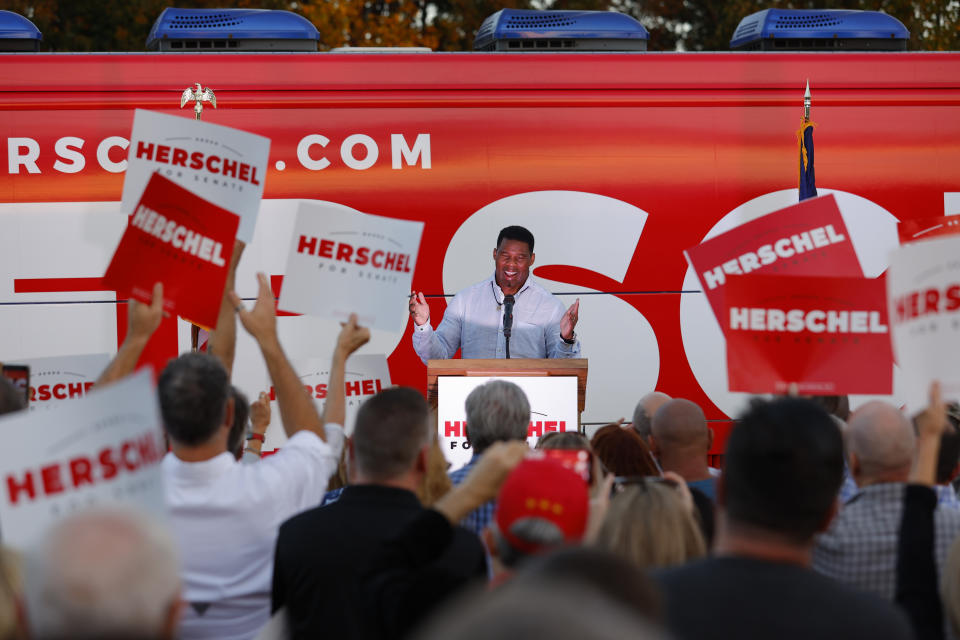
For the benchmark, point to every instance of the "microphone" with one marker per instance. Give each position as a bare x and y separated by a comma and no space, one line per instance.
507,320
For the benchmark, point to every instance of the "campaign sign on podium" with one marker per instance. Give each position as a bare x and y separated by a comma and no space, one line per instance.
553,407
101,449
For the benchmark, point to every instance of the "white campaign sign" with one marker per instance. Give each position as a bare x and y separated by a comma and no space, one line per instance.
63,378
923,294
342,262
553,407
365,376
103,448
223,165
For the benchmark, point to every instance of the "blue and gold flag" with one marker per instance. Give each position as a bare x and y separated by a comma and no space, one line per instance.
808,181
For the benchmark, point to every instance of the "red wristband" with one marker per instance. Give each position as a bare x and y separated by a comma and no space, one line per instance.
257,436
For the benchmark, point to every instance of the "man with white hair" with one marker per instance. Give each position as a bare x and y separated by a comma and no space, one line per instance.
104,574
860,548
497,411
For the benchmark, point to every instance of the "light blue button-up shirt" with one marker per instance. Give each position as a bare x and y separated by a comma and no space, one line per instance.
473,323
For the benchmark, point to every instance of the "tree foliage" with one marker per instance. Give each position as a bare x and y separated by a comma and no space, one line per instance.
450,25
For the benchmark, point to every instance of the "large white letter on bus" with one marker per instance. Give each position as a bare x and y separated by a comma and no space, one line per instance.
103,154
421,148
29,159
303,152
68,148
346,151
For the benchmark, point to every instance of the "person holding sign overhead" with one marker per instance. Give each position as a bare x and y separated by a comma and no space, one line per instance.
507,315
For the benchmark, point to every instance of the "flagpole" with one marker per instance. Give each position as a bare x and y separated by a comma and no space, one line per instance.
198,96
806,182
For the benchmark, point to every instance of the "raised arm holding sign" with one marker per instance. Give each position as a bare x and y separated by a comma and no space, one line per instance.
223,339
142,321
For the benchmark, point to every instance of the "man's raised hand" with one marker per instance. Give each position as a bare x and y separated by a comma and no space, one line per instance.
143,319
352,336
419,309
260,413
569,321
930,424
932,421
261,321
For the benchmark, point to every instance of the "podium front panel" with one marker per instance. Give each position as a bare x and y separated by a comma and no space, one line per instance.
553,407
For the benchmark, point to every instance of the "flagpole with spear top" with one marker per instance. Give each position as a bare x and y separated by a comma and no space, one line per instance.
806,182
198,95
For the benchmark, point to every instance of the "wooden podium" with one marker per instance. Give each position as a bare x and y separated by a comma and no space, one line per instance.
514,367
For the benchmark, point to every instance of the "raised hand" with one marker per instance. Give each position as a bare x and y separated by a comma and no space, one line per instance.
261,321
352,336
143,319
569,321
930,424
260,413
419,309
932,421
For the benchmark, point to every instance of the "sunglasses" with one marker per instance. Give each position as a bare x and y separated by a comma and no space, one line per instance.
620,483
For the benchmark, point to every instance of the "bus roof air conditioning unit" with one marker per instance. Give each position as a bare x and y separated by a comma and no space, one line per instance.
819,30
519,30
18,33
205,30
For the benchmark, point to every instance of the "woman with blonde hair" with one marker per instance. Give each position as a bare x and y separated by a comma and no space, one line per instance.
651,522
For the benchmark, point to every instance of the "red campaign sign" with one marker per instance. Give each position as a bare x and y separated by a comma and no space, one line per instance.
181,240
806,239
828,335
925,228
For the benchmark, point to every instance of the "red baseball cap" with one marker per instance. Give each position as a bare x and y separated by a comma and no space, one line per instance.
546,490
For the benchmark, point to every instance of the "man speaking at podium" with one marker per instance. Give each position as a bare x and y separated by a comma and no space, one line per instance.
506,316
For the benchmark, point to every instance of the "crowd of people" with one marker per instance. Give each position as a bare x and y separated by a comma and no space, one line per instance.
821,524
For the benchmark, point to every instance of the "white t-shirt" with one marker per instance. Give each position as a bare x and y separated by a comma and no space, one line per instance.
225,517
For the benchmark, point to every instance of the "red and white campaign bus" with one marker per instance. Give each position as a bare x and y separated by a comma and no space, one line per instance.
616,162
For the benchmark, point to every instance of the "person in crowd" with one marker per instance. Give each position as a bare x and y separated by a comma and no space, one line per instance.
547,608
569,440
406,578
860,546
643,414
11,399
103,573
322,553
682,441
473,321
259,422
13,623
209,493
652,523
948,459
838,406
541,506
241,417
917,591
950,588
436,481
784,462
589,566
497,411
622,452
